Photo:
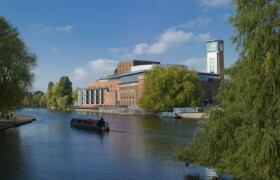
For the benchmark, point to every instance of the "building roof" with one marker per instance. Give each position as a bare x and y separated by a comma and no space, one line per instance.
110,72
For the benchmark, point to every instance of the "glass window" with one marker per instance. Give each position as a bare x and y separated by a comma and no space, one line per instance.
212,46
212,65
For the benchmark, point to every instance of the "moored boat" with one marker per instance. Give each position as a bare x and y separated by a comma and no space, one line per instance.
90,124
169,115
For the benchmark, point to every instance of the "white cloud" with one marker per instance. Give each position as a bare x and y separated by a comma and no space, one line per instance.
94,70
166,40
171,36
140,48
213,3
202,37
65,28
79,73
169,39
198,64
158,48
99,65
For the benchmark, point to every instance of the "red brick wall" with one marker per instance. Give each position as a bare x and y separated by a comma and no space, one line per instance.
110,98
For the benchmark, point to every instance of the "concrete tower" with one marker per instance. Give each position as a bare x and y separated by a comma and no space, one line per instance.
215,56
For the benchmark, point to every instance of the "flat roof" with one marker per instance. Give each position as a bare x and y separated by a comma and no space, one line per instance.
214,40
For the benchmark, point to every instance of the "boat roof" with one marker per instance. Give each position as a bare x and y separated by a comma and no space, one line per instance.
89,119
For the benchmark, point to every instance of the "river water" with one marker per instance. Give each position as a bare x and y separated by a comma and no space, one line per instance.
137,147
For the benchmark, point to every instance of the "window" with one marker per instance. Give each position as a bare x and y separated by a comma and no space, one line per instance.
212,65
212,46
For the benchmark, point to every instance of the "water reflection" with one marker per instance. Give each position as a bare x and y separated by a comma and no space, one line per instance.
137,147
14,152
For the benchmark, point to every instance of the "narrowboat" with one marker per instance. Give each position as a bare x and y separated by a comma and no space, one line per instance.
169,115
91,124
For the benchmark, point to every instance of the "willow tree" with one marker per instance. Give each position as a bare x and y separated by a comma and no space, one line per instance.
243,139
166,87
16,65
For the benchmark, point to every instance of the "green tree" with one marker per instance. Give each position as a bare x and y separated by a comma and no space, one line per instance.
65,89
59,95
16,65
170,86
43,101
36,96
27,100
32,99
52,96
75,94
50,85
242,139
62,102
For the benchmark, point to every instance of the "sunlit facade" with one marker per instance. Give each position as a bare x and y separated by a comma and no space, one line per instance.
124,84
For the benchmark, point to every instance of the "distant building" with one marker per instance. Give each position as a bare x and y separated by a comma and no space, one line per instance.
123,85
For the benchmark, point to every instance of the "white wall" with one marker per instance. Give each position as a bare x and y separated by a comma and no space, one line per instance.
215,57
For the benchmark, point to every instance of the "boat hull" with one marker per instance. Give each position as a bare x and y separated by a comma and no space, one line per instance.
92,125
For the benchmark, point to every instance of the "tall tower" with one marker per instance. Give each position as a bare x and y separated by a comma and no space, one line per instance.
215,56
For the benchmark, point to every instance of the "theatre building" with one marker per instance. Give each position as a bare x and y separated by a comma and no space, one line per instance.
123,85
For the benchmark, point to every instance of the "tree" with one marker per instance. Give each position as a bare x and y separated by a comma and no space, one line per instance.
43,101
170,86
242,139
65,89
50,85
75,94
16,65
32,99
52,95
62,102
27,100
59,96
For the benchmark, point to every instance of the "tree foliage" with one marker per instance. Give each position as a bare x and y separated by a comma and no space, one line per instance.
16,65
65,88
33,100
75,94
52,95
243,139
59,95
170,86
50,85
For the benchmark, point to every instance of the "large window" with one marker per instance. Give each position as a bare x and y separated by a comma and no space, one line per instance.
212,46
212,65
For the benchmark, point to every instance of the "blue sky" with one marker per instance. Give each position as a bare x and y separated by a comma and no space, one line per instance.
81,39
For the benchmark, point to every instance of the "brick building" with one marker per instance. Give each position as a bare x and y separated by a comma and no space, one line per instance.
123,85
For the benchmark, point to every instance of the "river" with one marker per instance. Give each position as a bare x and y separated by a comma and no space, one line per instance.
137,147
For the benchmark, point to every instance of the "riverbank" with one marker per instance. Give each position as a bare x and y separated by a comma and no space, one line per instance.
193,116
125,110
117,110
15,120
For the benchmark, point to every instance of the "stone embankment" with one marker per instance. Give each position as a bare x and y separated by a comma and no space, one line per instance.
195,116
15,120
117,110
